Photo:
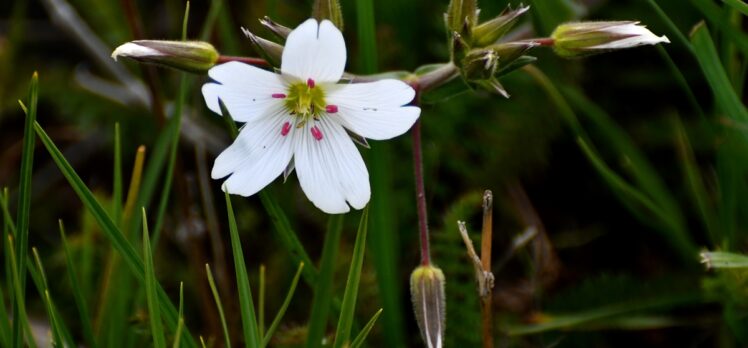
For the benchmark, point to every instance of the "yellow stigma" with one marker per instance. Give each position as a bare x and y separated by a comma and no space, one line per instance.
305,100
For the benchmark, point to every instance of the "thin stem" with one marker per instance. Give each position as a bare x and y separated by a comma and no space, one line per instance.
423,227
248,60
487,296
543,41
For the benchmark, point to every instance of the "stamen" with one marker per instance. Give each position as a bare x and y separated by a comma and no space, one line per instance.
278,95
310,83
331,109
285,129
316,133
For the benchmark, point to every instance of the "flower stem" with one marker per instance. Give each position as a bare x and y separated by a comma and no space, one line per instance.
544,41
423,227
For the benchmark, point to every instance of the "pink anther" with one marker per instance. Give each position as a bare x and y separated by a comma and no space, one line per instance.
316,133
310,83
278,95
331,109
285,129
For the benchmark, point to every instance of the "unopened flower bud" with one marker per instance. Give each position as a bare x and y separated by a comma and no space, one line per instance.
587,38
192,56
484,63
459,47
328,9
271,51
490,31
427,294
280,31
461,16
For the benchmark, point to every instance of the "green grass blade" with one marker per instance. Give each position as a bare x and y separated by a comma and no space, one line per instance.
725,96
714,14
696,182
157,329
261,304
287,235
345,322
219,306
361,337
282,311
249,320
5,333
322,299
117,176
24,198
210,19
180,324
384,241
110,230
174,140
40,279
20,304
80,299
669,22
739,5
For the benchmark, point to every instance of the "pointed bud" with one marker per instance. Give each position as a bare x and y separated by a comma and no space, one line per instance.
494,86
459,48
427,295
461,16
484,63
490,31
280,31
328,9
587,38
192,56
269,50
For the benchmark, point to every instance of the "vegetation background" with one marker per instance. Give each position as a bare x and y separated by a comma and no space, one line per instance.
627,164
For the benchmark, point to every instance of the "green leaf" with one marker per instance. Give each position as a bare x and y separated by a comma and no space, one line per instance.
219,306
180,324
359,340
20,304
345,322
246,306
714,14
24,196
323,291
739,5
157,330
110,230
117,177
282,311
80,299
725,96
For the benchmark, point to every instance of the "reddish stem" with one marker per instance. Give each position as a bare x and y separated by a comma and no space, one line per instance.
544,41
423,226
248,60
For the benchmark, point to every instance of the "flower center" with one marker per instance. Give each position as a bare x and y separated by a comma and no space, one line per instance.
305,100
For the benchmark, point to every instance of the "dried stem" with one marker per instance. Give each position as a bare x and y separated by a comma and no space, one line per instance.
487,295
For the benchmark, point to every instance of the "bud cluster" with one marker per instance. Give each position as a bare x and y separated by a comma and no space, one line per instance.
477,49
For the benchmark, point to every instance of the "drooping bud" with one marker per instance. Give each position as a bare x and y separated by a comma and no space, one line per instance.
461,16
490,31
271,51
328,9
280,31
192,56
572,40
427,295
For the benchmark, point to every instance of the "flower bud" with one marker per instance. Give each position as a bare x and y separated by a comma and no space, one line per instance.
280,31
192,56
328,9
459,47
271,51
461,16
587,38
484,63
427,295
490,31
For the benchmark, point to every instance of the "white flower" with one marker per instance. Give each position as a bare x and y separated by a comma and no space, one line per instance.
300,119
632,34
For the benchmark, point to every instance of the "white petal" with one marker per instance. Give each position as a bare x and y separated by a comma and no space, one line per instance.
258,155
638,35
246,91
374,110
134,50
315,51
330,170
